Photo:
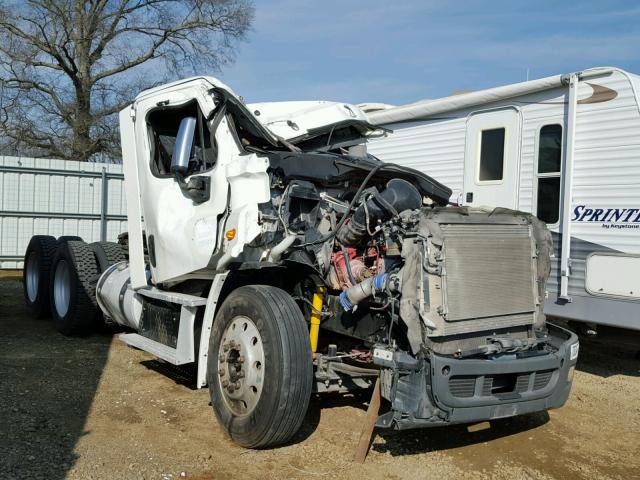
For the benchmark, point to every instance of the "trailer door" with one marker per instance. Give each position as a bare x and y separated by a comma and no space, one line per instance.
491,159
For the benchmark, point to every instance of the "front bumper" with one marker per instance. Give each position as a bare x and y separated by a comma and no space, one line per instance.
448,391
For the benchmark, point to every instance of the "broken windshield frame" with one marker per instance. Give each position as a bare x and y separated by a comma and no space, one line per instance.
249,131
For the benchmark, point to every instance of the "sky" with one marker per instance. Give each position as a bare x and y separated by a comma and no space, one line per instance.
401,51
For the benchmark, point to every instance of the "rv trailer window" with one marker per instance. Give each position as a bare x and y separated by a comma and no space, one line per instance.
550,149
549,168
491,155
549,199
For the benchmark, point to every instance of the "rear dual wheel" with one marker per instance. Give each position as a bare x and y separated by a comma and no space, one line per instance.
74,273
259,366
60,276
36,273
108,253
69,238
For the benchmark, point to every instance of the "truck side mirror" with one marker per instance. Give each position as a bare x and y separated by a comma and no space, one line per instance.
182,147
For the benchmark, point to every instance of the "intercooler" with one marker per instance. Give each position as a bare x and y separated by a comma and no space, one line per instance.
487,278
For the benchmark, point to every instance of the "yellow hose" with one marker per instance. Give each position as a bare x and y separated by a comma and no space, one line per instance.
314,330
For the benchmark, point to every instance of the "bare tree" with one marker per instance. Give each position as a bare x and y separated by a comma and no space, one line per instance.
68,66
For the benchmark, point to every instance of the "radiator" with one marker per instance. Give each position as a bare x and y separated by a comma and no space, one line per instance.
489,271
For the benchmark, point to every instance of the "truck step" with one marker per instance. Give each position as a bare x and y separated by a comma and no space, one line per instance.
158,349
173,297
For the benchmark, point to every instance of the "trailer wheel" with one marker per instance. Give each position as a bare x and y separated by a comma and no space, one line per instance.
36,272
108,253
259,367
73,293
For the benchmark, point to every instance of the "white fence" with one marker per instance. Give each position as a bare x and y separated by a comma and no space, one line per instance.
57,197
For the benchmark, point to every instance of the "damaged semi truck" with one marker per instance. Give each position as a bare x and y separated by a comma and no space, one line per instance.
267,248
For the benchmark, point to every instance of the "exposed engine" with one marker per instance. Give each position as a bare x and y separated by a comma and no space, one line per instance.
424,296
398,267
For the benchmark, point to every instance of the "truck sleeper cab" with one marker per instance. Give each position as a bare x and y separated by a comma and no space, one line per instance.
286,264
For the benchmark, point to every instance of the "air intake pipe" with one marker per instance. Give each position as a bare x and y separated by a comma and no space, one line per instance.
351,297
397,196
389,282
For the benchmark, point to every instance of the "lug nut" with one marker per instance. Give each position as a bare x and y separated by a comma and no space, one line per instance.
225,383
240,374
221,371
225,347
237,385
240,359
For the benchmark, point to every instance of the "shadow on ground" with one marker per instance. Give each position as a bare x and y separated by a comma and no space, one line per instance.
48,382
612,352
185,375
455,436
319,402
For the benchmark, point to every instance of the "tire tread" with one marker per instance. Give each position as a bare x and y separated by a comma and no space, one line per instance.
294,337
107,254
45,246
293,387
83,313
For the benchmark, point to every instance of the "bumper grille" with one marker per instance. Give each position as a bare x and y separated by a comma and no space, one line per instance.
464,386
542,379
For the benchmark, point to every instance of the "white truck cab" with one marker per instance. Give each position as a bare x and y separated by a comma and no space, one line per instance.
226,178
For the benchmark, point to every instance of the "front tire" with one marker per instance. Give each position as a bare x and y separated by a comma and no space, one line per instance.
259,367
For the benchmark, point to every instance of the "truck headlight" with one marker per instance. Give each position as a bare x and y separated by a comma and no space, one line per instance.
575,348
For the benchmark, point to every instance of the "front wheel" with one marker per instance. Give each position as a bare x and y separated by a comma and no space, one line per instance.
259,366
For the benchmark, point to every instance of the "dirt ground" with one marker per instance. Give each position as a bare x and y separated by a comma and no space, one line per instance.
92,408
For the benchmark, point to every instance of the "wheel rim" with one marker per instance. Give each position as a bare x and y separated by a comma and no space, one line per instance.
241,366
32,277
61,288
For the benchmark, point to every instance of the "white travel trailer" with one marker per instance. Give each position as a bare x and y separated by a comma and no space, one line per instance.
566,148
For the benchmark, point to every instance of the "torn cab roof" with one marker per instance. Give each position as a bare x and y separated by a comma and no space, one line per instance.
316,125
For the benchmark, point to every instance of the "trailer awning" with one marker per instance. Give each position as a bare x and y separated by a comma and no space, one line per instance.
427,108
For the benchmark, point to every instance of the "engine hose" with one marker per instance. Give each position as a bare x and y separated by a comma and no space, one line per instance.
347,213
397,196
347,264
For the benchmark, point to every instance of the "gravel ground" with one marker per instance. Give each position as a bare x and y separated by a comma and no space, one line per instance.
91,408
